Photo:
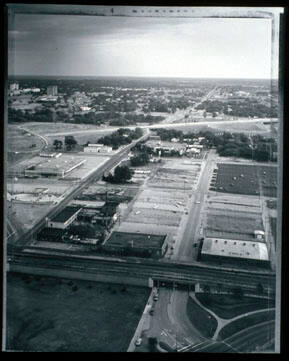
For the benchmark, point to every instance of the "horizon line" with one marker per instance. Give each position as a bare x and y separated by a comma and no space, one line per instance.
136,76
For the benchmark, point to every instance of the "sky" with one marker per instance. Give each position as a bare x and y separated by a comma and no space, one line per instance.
71,45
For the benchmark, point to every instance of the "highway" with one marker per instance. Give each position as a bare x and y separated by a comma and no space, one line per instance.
169,125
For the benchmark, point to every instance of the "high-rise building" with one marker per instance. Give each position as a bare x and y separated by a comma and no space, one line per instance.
52,90
14,86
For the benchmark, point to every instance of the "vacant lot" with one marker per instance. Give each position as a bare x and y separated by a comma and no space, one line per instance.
47,314
27,214
245,179
242,224
20,141
226,306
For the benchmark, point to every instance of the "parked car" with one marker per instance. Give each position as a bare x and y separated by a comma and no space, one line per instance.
151,312
156,297
138,341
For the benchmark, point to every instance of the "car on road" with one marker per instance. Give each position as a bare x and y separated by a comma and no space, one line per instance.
152,312
156,297
198,202
138,341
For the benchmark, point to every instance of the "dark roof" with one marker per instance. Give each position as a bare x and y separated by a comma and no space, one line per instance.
137,240
65,214
51,232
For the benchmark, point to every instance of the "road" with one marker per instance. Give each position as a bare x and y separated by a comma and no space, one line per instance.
251,339
184,252
197,201
165,125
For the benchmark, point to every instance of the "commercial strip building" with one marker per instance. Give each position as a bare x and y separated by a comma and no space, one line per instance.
136,244
97,148
235,251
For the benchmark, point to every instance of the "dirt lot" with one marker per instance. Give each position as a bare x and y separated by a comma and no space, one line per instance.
245,179
28,214
235,217
176,174
47,314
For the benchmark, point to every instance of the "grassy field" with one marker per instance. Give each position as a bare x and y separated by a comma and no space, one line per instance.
226,306
245,322
19,141
47,314
201,319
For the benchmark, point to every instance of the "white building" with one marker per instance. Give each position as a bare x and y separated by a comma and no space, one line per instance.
97,148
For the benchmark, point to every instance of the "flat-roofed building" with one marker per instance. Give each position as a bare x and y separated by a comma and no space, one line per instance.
236,251
97,148
55,167
137,244
63,219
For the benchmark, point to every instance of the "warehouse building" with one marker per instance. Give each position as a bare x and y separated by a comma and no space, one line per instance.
136,244
235,251
55,167
63,219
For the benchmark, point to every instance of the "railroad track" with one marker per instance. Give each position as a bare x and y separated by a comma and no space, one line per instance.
183,273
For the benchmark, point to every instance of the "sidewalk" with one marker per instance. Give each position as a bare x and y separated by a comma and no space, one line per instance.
144,322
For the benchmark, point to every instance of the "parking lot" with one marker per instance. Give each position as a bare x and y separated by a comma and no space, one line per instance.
245,179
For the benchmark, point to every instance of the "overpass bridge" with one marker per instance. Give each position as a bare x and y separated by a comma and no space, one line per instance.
142,272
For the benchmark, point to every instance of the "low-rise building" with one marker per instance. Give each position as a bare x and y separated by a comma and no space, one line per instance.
63,219
235,251
55,167
166,147
97,148
137,244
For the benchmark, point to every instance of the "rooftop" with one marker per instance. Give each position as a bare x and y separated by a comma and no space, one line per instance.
235,248
65,214
164,144
138,240
62,163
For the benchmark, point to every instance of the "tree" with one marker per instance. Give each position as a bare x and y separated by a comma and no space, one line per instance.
70,142
139,160
122,174
57,144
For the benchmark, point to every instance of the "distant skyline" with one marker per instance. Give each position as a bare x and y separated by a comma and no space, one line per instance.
70,45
